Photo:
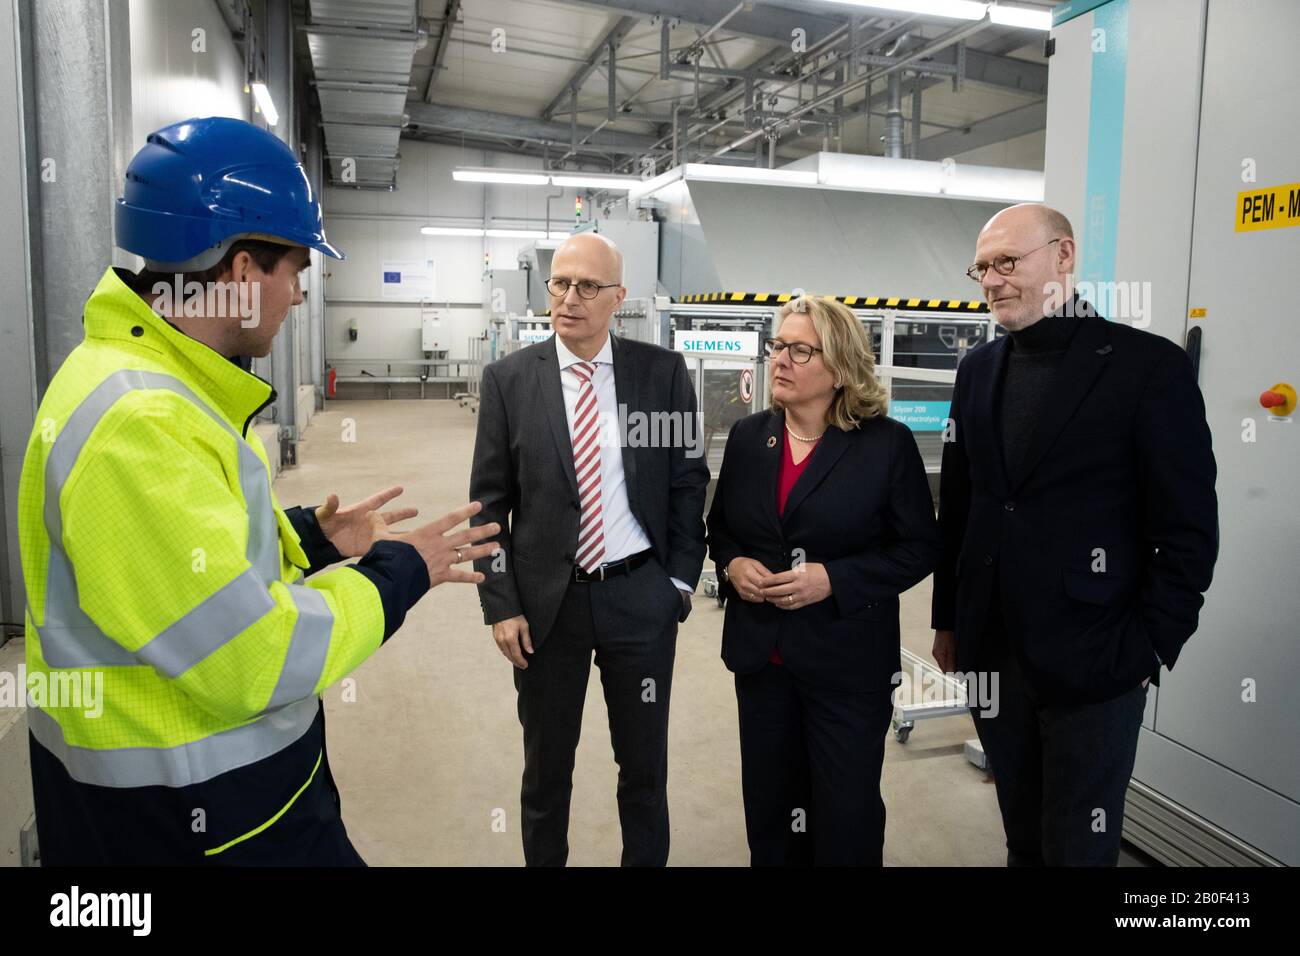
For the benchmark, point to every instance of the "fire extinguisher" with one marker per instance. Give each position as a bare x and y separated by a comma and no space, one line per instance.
333,375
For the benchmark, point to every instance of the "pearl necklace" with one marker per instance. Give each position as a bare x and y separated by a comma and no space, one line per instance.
801,438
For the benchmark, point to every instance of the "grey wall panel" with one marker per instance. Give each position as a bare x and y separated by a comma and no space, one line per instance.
170,79
838,242
1069,78
1247,810
18,346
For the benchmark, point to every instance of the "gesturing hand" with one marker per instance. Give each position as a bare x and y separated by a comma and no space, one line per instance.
354,529
441,549
791,590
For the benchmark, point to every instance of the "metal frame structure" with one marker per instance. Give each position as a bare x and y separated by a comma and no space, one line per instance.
774,97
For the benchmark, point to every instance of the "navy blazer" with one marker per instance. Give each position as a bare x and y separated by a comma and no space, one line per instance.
1099,554
863,509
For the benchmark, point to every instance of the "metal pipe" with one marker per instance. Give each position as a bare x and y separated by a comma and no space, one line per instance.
916,121
703,37
894,118
613,86
549,197
665,65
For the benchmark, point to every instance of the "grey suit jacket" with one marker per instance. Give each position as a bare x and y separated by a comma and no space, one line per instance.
523,474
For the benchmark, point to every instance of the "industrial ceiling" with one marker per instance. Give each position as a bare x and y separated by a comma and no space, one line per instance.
619,85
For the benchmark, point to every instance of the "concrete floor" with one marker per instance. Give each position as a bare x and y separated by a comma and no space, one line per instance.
428,754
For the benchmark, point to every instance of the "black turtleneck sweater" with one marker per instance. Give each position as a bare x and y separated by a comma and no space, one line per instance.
1034,355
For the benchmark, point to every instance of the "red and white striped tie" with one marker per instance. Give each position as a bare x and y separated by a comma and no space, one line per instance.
586,464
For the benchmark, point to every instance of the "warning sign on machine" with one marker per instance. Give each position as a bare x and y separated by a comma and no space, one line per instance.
1273,207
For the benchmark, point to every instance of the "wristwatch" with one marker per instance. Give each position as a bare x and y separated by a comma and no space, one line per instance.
723,576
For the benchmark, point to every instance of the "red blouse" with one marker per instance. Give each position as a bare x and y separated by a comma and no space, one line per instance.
789,474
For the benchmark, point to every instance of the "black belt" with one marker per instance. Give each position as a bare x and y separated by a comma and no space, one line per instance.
613,570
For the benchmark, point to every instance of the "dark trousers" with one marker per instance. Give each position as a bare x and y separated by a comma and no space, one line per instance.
630,623
810,770
1061,770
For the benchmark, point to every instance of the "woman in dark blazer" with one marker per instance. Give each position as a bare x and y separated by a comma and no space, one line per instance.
822,516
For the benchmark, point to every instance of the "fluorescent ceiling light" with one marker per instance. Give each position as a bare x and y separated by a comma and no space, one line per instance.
1024,17
594,180
526,177
514,176
264,103
749,174
492,233
955,9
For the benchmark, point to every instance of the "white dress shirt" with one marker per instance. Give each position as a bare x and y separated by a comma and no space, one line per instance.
624,535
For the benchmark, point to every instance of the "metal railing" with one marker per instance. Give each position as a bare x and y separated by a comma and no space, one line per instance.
474,378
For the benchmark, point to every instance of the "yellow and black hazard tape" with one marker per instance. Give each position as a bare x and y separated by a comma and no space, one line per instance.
852,301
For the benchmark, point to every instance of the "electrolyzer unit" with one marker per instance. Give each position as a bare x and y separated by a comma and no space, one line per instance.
1173,147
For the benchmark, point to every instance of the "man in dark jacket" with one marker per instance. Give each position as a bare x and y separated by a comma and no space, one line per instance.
1079,530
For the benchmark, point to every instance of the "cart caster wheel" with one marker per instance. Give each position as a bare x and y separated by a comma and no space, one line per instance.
902,733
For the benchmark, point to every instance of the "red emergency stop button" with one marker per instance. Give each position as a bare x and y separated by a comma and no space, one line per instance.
1280,400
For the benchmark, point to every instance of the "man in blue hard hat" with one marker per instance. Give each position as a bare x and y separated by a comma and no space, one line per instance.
164,583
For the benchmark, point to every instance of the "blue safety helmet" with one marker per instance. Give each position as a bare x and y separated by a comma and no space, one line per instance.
199,185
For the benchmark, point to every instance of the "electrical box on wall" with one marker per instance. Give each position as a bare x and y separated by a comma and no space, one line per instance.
432,331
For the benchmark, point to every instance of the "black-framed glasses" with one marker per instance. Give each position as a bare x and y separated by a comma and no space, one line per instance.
586,288
1002,265
800,354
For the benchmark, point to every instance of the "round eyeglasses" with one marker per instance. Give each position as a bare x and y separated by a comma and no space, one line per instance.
1002,265
587,289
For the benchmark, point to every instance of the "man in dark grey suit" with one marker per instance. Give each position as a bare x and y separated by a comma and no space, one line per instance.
588,452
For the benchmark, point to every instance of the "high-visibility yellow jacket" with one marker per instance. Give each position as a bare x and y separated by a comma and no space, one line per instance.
167,586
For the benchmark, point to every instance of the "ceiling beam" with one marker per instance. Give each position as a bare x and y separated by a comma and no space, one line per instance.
457,119
587,157
763,22
1020,121
614,37
440,52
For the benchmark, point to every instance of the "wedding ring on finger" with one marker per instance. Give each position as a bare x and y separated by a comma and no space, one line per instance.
789,599
459,557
